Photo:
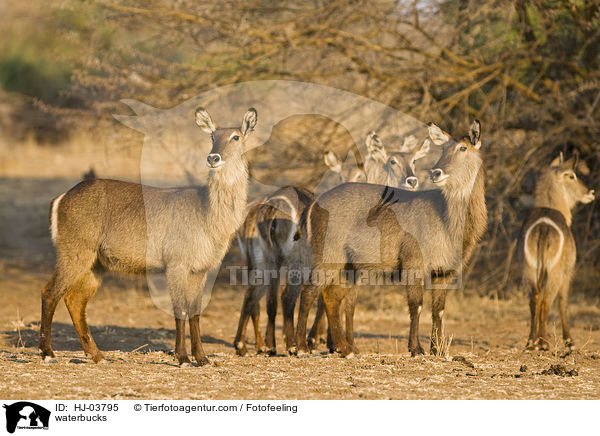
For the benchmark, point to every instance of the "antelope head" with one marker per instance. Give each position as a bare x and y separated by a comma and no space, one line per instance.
346,172
228,143
563,174
400,165
459,164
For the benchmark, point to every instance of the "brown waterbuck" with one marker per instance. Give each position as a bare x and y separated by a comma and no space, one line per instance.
266,241
133,228
357,228
546,246
397,170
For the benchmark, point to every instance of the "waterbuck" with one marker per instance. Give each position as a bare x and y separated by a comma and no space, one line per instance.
357,228
398,170
268,248
546,246
133,228
266,241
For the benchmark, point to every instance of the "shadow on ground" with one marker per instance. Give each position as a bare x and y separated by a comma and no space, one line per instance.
423,338
108,338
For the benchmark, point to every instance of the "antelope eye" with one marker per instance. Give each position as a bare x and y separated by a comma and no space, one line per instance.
463,148
236,138
393,161
572,176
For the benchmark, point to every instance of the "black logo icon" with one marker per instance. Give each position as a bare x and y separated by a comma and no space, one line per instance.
26,415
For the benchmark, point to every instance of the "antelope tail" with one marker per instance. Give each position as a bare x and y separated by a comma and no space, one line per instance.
542,260
540,268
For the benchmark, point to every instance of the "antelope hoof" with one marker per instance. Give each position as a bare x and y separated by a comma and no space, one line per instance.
99,358
312,343
531,346
184,362
202,361
569,344
345,350
302,350
49,359
416,351
272,352
241,350
292,351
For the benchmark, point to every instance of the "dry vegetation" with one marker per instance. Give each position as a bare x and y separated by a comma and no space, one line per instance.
529,70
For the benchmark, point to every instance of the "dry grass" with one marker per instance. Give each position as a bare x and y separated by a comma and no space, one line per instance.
138,338
73,156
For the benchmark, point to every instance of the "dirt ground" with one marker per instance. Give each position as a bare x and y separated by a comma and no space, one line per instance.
485,359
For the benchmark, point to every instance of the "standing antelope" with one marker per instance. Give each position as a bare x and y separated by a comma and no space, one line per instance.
398,170
266,241
363,227
546,247
279,215
133,228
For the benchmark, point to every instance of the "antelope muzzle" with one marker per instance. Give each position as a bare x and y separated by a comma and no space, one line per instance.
214,160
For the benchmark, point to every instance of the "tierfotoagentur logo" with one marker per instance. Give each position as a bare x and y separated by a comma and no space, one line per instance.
244,276
26,416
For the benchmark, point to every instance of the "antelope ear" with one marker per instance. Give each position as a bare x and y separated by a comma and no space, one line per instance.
373,142
249,121
409,144
575,160
558,161
422,152
475,134
332,161
583,168
204,120
375,149
437,135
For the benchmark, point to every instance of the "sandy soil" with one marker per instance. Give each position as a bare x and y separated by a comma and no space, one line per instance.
485,356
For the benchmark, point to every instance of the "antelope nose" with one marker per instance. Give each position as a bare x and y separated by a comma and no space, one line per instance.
213,160
412,181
